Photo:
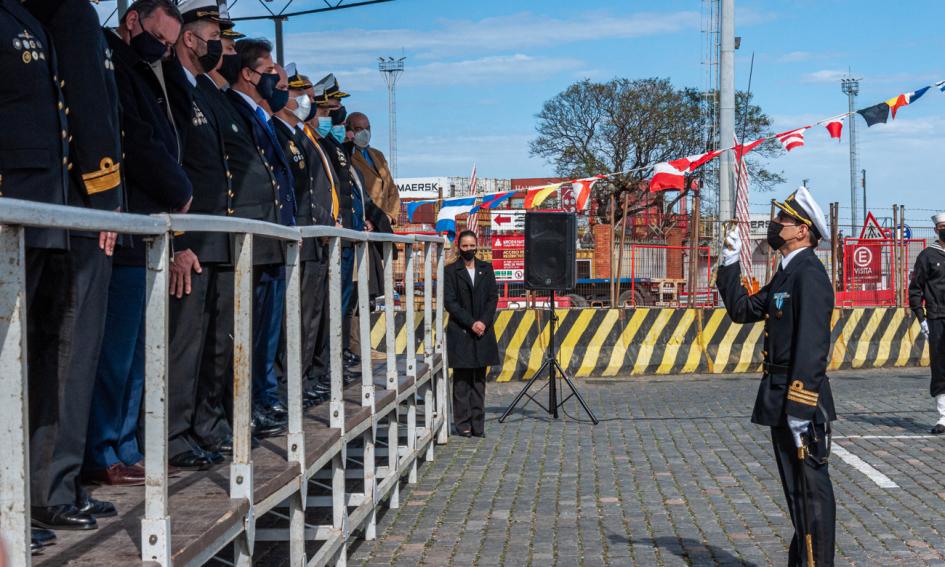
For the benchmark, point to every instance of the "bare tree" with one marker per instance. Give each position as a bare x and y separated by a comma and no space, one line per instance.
630,125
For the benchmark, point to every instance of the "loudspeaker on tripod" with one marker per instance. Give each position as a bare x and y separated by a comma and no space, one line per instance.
550,251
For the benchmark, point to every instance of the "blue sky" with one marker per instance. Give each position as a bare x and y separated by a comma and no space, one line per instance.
477,72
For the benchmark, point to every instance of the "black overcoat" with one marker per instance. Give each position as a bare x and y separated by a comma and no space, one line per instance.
467,303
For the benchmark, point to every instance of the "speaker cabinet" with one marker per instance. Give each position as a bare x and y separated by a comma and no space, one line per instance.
550,251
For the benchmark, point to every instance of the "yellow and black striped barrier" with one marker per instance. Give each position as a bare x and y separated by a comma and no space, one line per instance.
632,342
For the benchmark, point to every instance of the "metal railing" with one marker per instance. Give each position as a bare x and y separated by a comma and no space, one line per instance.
156,533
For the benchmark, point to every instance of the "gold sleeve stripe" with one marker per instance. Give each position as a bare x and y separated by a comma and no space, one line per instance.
105,179
798,394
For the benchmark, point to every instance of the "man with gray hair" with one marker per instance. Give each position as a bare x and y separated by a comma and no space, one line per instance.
927,301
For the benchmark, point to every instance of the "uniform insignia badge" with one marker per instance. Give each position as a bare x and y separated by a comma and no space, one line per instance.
27,57
779,299
16,44
235,129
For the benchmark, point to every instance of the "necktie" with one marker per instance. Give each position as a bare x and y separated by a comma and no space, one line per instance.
335,203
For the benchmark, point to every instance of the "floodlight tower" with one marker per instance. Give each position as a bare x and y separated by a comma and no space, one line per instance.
391,68
851,87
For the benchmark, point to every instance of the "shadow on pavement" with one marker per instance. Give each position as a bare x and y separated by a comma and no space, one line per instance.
693,552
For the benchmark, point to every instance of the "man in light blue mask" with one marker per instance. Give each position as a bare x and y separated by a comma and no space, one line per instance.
329,114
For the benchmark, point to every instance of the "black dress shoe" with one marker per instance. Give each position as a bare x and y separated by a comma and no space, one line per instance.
96,508
214,457
224,447
43,537
466,433
264,425
190,461
65,517
481,434
350,358
35,547
938,429
279,410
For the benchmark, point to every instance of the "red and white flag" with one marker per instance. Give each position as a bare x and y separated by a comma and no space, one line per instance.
582,191
742,214
834,128
792,139
671,174
472,221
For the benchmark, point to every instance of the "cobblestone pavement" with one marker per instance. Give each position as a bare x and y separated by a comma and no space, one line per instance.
674,475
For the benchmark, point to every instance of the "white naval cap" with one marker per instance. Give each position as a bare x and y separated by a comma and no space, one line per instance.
938,217
802,206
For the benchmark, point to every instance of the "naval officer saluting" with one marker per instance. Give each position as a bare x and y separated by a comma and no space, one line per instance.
794,397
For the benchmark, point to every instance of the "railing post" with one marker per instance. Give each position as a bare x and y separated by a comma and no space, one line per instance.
14,419
156,524
296,435
411,334
393,380
241,469
442,387
429,398
367,385
336,407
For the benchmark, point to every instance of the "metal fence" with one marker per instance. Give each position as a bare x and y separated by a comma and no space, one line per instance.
402,378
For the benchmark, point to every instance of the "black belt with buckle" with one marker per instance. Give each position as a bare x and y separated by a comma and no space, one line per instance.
771,368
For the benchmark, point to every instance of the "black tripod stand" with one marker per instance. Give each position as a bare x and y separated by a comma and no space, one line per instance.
551,364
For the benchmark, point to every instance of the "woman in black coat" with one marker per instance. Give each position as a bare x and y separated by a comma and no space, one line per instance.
470,297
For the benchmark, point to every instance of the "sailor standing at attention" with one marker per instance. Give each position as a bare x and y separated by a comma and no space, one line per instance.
794,397
927,301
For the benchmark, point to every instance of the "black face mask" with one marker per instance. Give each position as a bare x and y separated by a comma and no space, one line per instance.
775,240
230,68
148,47
941,235
278,100
311,113
338,115
212,57
468,254
266,85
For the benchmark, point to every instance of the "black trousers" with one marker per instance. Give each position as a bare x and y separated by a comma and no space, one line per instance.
191,333
821,506
67,294
469,395
314,318
214,389
937,356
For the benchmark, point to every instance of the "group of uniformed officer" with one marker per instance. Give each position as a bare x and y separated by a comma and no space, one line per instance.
172,111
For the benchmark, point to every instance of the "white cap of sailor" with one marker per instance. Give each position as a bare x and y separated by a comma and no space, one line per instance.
802,206
938,218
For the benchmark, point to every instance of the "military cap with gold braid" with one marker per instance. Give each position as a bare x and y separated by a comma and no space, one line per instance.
296,79
227,25
802,206
196,10
327,88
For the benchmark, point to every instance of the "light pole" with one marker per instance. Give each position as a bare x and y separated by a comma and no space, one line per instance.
851,87
391,68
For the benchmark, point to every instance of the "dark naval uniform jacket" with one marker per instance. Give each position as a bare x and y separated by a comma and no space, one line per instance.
261,177
796,307
310,184
344,184
204,159
87,78
33,130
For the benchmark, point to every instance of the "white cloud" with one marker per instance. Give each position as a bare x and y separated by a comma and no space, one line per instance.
824,76
462,38
482,71
802,56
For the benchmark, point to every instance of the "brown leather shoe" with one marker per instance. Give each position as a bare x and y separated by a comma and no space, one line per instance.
118,475
172,471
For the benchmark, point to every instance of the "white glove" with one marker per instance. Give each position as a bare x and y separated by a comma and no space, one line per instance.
798,427
924,325
732,248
